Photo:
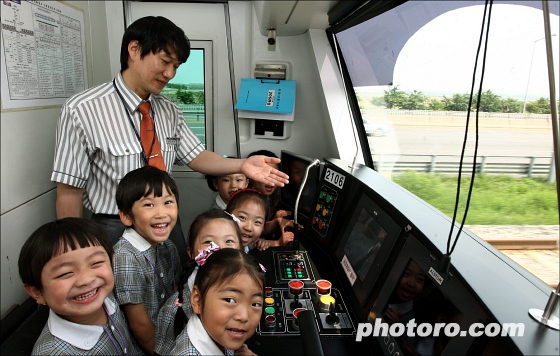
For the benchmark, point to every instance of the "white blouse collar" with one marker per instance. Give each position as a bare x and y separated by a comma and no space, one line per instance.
81,336
200,338
136,240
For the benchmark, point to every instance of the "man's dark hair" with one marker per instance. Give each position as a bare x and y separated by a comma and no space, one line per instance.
142,182
55,238
153,35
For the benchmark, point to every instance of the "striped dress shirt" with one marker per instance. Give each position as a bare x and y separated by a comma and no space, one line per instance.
96,144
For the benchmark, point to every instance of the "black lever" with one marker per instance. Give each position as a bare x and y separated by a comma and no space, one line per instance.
295,304
332,318
309,333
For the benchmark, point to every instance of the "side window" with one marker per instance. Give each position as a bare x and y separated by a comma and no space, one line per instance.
191,89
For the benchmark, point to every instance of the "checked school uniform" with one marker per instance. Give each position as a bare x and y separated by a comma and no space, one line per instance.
218,203
62,337
165,334
144,274
195,341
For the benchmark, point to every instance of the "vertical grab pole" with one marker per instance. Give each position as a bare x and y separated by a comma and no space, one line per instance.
295,253
552,87
546,316
232,78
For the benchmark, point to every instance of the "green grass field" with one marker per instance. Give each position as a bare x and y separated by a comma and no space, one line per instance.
496,200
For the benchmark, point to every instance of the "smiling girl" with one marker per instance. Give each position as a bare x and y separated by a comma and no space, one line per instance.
211,227
251,207
226,299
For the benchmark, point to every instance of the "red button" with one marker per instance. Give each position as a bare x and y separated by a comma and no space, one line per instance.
314,220
320,225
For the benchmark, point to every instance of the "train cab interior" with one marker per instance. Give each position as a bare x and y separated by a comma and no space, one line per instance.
361,233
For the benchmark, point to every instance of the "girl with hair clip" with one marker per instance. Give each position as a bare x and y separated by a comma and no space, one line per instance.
251,207
226,299
214,227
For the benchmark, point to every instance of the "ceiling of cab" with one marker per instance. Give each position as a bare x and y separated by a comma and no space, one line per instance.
291,18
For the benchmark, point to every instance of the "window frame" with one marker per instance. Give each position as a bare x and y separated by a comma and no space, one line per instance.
207,47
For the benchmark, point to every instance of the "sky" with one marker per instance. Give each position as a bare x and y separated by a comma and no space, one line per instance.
192,71
430,65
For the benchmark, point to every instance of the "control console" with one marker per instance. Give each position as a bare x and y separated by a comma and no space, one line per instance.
288,267
322,215
283,304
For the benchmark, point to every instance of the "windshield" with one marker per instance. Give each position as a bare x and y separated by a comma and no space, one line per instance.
412,72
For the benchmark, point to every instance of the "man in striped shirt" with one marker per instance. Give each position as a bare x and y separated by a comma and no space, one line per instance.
98,138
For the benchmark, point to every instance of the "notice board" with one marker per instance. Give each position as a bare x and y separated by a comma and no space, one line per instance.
43,53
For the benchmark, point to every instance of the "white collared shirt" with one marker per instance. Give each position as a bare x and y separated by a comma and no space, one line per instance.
82,336
220,202
136,240
200,338
402,307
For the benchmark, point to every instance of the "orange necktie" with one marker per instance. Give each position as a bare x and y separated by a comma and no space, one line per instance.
149,139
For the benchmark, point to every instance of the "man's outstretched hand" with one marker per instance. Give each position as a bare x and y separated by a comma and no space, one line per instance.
257,168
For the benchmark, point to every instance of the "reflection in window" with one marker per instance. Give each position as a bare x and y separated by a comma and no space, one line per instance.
416,297
364,243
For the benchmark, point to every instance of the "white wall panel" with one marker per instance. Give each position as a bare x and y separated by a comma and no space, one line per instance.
27,151
16,227
27,139
309,134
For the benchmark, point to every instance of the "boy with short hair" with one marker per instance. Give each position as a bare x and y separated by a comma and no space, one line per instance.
147,266
66,264
225,186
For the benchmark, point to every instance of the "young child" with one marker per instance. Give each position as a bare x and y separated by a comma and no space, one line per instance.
216,228
147,266
249,206
269,191
411,284
66,264
227,301
275,219
225,185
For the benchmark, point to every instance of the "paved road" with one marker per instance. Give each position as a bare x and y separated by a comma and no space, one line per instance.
492,142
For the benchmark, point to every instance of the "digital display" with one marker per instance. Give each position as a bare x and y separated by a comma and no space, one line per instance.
364,243
416,297
294,166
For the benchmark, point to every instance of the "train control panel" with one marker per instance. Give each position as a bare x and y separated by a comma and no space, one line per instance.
283,304
362,235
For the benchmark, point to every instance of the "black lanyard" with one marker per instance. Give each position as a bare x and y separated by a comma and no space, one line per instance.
144,155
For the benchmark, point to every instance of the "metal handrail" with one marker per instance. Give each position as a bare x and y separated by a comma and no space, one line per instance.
530,166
